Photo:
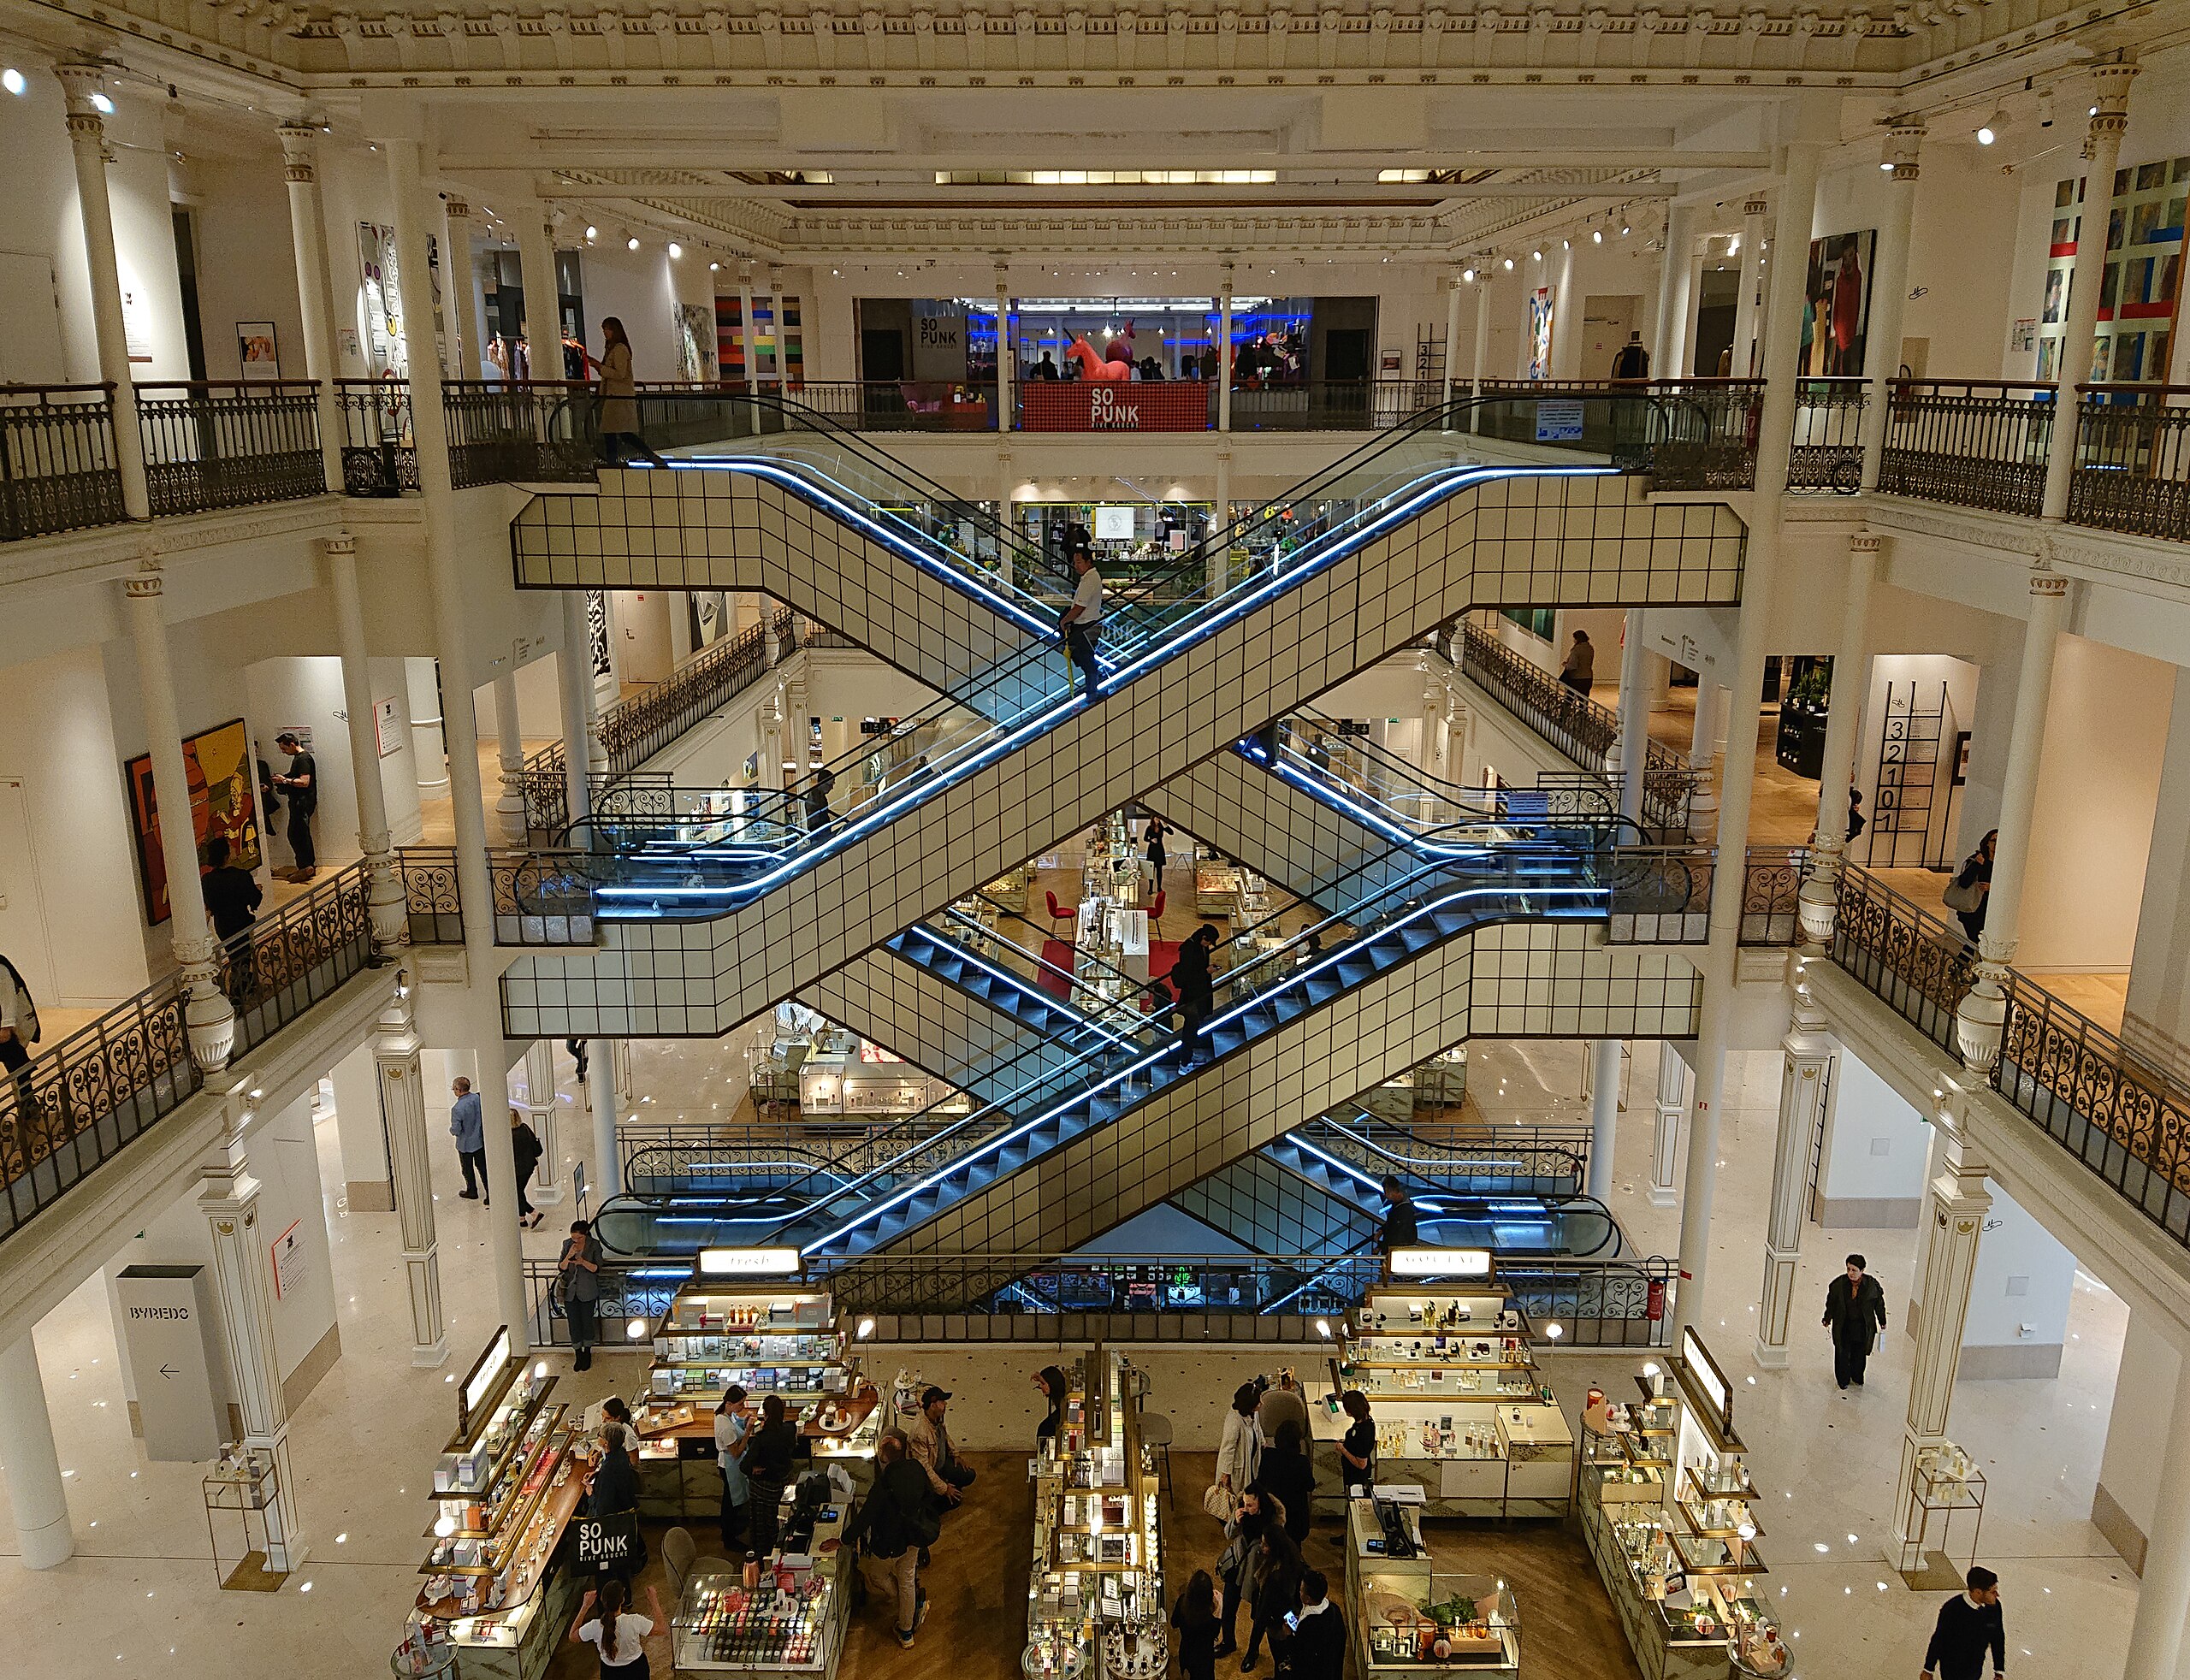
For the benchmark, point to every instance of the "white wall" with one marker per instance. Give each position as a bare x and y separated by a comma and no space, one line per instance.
1930,674
2127,1496
639,288
2019,1297
43,218
1872,1172
246,260
308,690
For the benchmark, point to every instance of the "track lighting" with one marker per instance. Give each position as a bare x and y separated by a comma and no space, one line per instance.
102,104
1989,130
592,234
1596,236
675,251
1509,265
1538,255
632,243
12,80
1468,274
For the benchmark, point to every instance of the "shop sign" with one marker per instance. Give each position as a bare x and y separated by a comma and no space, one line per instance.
1558,421
748,1261
164,1323
608,1542
1114,405
1440,1262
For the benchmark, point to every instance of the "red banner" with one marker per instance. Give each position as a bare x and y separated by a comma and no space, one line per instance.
1114,405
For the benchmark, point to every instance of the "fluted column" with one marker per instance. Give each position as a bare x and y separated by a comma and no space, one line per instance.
460,723
1667,337
403,1110
1006,375
1219,567
1604,1117
1818,898
1955,1220
461,330
82,84
1889,292
228,1196
1982,1013
1745,311
1806,1061
208,1015
1224,353
1481,340
1006,481
36,1491
315,287
749,341
1634,744
1703,755
384,899
600,1087
2102,152
509,750
541,1110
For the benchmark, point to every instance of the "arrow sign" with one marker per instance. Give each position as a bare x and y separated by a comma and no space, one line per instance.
166,1370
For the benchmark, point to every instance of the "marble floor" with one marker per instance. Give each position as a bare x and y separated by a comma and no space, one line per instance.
141,1587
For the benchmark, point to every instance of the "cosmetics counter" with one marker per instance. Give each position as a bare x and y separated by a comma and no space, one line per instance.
1095,1595
786,1619
1459,1404
769,1340
1224,889
504,1490
806,1066
1412,1615
1669,1513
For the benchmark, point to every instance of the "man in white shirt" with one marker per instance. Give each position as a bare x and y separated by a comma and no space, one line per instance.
1083,620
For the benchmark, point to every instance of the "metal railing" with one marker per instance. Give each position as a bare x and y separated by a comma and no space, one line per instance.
228,443
1661,895
1685,433
2126,1122
57,467
1975,442
1827,450
1770,881
2133,460
433,903
1329,405
380,456
544,432
902,404
1571,721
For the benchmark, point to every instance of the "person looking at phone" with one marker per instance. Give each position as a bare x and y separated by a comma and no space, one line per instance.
1312,1644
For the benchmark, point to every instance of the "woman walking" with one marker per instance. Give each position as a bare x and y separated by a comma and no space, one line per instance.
618,395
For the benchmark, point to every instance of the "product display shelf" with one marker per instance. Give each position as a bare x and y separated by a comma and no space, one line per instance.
768,1340
1459,1406
1095,1595
789,1621
1401,1608
1947,1481
1681,1569
505,1488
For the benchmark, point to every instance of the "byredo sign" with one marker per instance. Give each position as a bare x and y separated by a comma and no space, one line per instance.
166,1321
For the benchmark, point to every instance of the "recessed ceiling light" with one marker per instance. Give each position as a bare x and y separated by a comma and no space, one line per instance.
12,80
675,249
632,243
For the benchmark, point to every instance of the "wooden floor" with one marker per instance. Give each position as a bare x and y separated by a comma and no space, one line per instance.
976,1584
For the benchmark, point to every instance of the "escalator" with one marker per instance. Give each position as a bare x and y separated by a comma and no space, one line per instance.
712,915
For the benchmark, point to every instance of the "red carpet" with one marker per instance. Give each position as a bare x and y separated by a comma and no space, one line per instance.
1057,964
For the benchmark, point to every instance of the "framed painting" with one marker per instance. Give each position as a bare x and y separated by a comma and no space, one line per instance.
223,800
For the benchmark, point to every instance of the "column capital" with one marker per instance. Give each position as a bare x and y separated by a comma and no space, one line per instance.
1759,205
1863,542
299,150
1904,136
84,83
2110,97
2048,585
342,545
458,209
143,586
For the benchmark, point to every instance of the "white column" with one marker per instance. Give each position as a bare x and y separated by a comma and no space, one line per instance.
679,602
462,329
461,724
384,894
210,1019
1702,751
1959,1203
1982,1013
748,346
509,753
1006,482
1452,284
227,1195
1745,311
1003,368
1481,339
2155,1632
1604,1117
600,1085
1783,339
34,1466
1673,267
1851,669
1889,292
2102,150
1224,353
87,141
540,1107
429,745
315,287
1805,1055
1220,535
543,306
403,1110
1634,748
1665,1137
575,674
780,359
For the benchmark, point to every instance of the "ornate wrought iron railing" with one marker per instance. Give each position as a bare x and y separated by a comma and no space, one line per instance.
216,444
1827,453
1571,721
2133,460
380,456
1661,895
1770,883
2126,1123
433,903
1689,434
1975,442
57,468
545,432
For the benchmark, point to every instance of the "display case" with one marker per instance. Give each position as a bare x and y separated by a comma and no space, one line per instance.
1096,1589
1681,1570
792,1622
246,1483
503,1490
1947,1483
1410,1612
1459,1406
1217,889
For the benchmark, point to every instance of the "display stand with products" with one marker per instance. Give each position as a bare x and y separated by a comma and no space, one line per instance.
789,1619
1096,1590
1408,1612
1947,1480
1681,1570
768,1339
1459,1406
248,1481
504,1490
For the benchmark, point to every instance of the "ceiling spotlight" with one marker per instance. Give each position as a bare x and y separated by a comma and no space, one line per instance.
1887,167
102,104
1509,265
592,234
12,80
1734,245
632,243
1468,274
714,268
1989,130
1624,230
1596,236
1566,245
1538,255
636,1330
675,251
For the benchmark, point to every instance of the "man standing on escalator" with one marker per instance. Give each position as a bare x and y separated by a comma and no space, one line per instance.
1083,620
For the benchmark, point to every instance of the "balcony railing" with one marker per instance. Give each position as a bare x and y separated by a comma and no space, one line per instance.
57,470
1686,433
2133,461
1770,884
1661,895
1975,442
1827,451
542,432
2126,1123
380,456
210,444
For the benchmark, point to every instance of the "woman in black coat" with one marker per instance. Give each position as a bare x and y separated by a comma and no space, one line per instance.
1287,1474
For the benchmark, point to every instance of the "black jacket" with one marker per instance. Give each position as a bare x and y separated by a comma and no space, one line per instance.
525,1146
615,1486
768,1454
1855,1313
1191,977
886,1518
1958,1642
1317,1651
1293,1480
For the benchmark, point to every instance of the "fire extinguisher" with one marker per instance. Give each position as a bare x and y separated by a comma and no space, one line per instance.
1656,1309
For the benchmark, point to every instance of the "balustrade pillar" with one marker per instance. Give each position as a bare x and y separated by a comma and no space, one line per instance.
1665,1137
384,898
460,723
1798,193
1806,1060
1815,901
1982,1014
543,291
2102,152
1955,1219
83,84
402,1085
509,753
1604,1117
35,1488
228,1196
541,1108
315,287
207,1013
1889,292
1745,347
1224,353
